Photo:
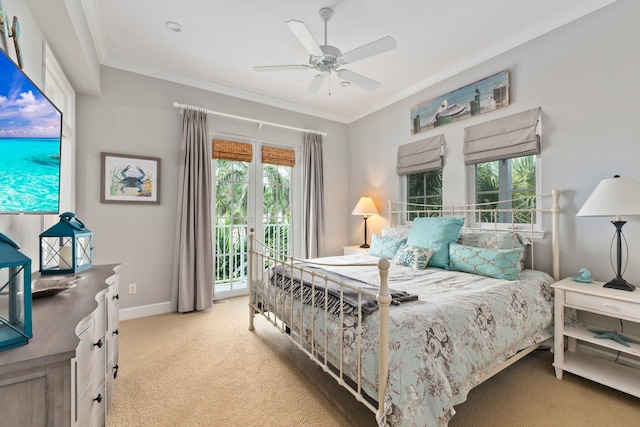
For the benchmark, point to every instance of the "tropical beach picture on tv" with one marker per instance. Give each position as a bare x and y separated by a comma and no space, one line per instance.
30,143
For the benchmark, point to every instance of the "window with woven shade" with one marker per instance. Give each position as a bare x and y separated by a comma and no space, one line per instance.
232,150
278,156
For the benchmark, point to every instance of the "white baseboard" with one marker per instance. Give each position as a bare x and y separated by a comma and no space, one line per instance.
145,310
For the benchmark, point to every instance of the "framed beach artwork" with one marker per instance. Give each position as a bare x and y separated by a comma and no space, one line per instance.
129,179
476,98
15,33
4,27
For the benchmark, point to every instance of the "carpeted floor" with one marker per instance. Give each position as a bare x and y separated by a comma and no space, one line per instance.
208,369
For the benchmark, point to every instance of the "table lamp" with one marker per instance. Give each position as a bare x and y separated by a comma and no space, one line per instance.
365,207
617,197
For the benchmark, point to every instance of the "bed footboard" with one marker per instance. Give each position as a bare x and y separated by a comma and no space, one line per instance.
289,309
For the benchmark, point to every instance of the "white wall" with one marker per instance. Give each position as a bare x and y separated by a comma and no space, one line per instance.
134,115
585,76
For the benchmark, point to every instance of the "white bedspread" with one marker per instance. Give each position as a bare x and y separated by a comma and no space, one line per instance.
461,328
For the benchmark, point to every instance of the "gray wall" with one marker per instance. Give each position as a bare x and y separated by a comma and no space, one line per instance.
585,76
135,115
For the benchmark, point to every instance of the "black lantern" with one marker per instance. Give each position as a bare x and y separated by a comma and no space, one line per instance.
15,295
67,247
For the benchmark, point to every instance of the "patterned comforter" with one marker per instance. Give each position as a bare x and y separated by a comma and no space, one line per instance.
461,328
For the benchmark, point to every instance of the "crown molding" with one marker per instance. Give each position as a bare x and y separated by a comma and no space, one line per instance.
93,17
496,49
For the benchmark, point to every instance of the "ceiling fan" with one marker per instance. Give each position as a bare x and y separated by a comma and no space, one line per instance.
326,58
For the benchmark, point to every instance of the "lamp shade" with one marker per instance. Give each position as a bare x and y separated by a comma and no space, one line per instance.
617,196
365,207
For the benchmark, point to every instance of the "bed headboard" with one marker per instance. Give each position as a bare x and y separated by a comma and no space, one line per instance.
524,215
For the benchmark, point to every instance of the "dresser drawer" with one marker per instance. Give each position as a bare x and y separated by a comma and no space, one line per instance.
90,409
601,305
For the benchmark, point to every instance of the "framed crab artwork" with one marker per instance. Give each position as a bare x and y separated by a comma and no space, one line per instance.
129,179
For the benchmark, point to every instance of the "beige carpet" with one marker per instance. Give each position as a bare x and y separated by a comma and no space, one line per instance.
207,369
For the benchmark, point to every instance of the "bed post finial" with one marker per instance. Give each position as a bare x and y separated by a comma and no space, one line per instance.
384,300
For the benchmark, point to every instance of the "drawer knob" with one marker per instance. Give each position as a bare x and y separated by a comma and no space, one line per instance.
99,343
116,332
116,296
98,398
115,371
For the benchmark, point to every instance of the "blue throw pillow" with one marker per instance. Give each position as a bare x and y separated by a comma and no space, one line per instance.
436,233
384,247
413,256
496,263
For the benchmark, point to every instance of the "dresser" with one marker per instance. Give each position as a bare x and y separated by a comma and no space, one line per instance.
64,376
612,303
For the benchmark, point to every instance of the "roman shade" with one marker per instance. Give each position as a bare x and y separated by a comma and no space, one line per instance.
232,150
421,156
278,156
508,137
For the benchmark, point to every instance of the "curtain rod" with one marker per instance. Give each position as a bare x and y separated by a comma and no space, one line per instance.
247,119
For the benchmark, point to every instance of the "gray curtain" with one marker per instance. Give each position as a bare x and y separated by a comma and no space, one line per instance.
193,257
313,194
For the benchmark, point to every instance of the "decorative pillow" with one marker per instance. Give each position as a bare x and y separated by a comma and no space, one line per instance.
413,256
497,240
436,233
496,263
397,232
384,247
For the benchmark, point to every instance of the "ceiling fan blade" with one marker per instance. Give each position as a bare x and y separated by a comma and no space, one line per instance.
280,67
358,79
315,85
303,34
374,48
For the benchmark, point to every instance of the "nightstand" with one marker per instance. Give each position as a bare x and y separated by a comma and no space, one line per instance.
352,250
592,297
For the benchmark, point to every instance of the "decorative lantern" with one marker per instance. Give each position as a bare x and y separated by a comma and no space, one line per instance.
15,295
67,247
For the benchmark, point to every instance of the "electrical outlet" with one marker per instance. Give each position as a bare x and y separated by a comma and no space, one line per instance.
132,288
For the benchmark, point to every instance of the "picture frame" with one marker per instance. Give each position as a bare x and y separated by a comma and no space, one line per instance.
15,33
127,178
4,28
479,97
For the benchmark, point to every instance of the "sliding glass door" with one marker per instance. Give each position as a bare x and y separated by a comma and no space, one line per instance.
250,194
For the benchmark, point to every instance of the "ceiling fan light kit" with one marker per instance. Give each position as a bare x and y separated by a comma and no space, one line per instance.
326,58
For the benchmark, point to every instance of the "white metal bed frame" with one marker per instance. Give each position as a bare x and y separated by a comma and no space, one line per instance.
263,258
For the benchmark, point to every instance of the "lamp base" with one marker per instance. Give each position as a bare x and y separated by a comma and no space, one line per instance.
621,284
364,245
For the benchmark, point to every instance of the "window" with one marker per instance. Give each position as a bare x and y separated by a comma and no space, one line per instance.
424,188
503,158
501,180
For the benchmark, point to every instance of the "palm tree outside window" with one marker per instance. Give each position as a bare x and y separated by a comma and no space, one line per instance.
501,180
424,188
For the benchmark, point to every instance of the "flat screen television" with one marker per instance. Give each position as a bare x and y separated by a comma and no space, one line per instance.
30,144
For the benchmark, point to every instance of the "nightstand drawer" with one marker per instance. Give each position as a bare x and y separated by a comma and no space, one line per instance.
602,305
